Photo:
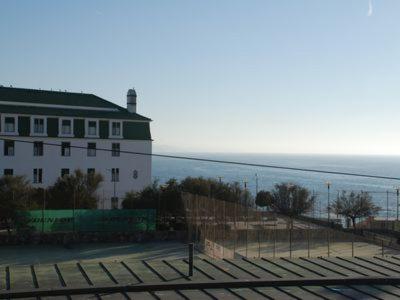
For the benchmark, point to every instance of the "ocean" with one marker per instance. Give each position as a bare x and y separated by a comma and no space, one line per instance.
383,191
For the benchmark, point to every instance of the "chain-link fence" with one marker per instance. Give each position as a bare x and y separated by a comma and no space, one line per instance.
225,229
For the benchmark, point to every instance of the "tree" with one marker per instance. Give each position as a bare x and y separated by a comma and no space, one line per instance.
263,199
171,198
354,206
77,190
291,199
145,199
15,192
130,200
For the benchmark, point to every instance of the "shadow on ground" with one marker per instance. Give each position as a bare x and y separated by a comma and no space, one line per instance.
48,254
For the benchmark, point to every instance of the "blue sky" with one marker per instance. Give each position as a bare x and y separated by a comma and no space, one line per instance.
223,76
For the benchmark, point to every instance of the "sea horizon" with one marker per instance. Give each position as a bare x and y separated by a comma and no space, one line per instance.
380,165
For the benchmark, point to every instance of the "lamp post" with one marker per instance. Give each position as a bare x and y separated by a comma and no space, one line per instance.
328,185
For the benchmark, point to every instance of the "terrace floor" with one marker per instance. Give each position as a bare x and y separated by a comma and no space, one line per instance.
146,264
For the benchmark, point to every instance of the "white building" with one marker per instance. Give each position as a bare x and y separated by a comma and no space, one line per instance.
46,134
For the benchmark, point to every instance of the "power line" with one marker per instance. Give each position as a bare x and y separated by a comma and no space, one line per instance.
222,161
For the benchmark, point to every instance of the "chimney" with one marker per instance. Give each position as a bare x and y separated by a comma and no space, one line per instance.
131,101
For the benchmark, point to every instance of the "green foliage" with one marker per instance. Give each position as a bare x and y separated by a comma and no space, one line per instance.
355,205
168,199
231,192
263,199
15,192
171,197
145,199
74,191
291,199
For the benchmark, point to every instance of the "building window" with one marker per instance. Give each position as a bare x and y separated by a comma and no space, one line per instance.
37,175
65,149
92,128
38,126
37,148
8,172
66,127
64,172
9,148
135,174
91,171
115,149
9,125
114,174
91,149
114,202
116,129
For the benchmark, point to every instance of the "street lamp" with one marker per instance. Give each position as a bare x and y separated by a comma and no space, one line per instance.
328,185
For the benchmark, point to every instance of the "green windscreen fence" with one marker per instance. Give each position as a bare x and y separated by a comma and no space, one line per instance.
85,220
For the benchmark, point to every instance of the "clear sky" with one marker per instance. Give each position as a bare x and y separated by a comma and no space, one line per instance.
222,76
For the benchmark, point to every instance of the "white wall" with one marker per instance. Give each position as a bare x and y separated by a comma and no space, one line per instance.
23,162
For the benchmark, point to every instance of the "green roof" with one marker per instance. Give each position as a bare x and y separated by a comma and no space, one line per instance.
18,95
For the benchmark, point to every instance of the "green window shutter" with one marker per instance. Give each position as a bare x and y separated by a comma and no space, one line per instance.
24,126
136,131
104,129
79,128
52,127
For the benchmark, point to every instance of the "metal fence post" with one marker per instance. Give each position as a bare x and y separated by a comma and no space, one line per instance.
223,231
387,210
43,208
274,253
234,230
290,239
308,241
191,250
328,239
247,223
